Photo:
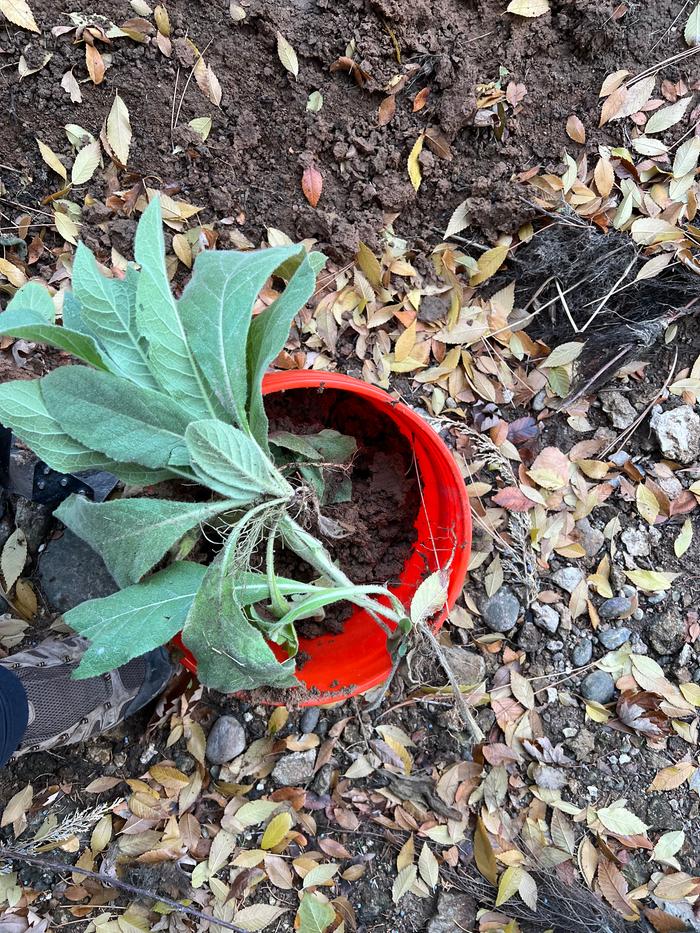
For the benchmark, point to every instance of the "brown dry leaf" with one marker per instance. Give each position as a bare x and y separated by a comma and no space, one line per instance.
406,854
421,99
614,888
550,469
312,184
387,109
414,172
672,777
627,100
94,64
612,82
14,275
604,177
17,806
207,81
575,129
484,855
52,160
345,63
437,143
522,690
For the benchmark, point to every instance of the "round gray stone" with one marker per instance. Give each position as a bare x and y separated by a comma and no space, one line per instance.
225,741
582,653
618,607
500,611
598,686
295,769
612,638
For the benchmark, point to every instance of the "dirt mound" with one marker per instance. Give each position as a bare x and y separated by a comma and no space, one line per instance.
250,167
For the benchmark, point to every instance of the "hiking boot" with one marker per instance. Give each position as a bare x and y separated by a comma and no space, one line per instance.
63,711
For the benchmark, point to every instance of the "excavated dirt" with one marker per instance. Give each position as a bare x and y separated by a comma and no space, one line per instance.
249,170
379,521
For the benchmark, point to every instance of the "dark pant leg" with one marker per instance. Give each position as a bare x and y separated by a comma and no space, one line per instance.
14,714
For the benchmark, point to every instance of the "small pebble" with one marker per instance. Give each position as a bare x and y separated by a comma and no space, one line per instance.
500,612
582,653
225,741
598,686
309,719
615,608
638,614
568,578
612,638
546,617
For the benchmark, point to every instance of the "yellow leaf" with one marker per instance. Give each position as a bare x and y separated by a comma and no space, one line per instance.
287,55
508,884
119,129
647,504
277,829
19,13
403,883
405,343
488,263
484,855
621,820
12,273
528,7
672,777
52,160
413,166
651,581
428,866
405,856
596,712
85,164
277,720
682,542
691,692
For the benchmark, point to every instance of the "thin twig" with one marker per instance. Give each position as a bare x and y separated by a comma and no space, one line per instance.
14,855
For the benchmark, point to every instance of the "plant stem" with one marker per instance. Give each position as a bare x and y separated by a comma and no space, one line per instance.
278,603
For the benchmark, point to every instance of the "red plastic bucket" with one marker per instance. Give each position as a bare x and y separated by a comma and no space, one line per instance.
342,665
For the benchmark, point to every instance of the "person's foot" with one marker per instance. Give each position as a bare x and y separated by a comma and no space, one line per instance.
63,711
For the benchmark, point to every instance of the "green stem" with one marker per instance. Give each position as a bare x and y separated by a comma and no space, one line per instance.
278,603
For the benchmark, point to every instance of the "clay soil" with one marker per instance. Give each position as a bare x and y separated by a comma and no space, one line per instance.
249,170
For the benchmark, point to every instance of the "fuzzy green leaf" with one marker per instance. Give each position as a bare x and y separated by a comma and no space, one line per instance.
327,445
35,297
108,308
158,320
228,461
132,535
135,620
266,339
31,325
231,654
216,310
128,423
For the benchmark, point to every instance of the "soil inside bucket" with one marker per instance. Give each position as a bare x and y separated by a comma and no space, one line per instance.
380,518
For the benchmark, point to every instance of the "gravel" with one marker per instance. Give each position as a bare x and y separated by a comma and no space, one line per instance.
598,686
612,638
295,769
568,578
678,433
618,408
618,607
546,617
500,611
225,741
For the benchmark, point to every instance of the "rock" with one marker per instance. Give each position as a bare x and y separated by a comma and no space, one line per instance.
582,653
34,519
636,542
70,573
528,638
225,741
295,769
455,911
321,783
660,814
546,617
666,631
582,744
500,611
618,408
618,607
309,719
598,686
592,539
613,638
678,433
568,578
467,666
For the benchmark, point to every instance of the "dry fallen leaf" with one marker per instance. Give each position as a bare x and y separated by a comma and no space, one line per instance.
94,64
575,129
387,109
413,166
312,184
528,8
19,13
287,55
119,130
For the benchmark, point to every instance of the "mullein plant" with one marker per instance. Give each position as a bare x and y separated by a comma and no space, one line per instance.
172,390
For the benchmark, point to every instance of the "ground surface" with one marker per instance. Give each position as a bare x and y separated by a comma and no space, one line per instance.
560,521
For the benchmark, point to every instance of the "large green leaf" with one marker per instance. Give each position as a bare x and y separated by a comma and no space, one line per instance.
135,620
35,296
132,535
108,307
128,423
216,309
170,357
22,408
231,654
31,325
267,337
227,460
